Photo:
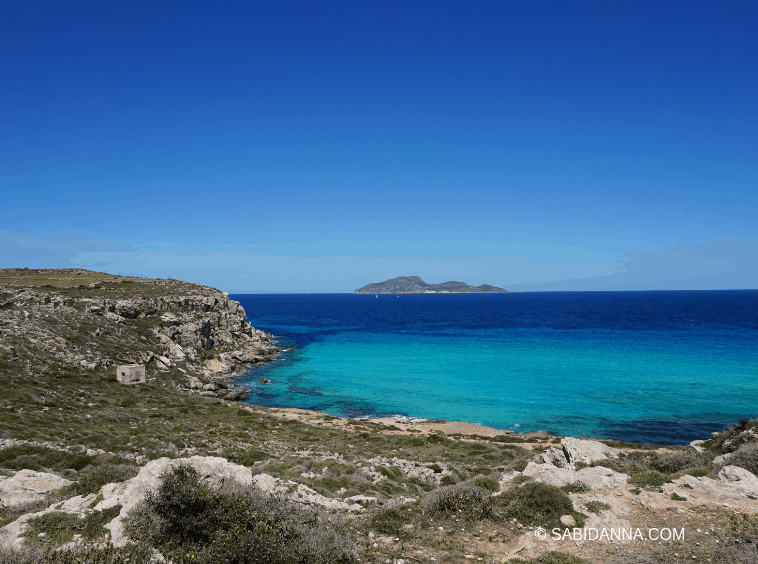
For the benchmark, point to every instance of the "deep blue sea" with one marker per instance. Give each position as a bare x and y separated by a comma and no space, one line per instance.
661,367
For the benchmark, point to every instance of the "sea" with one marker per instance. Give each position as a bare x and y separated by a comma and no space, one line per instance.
656,367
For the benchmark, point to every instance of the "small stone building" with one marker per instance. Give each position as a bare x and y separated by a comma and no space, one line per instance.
131,373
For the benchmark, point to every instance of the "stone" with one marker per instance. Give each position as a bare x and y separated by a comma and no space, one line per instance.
195,383
568,521
553,456
27,486
215,365
596,477
739,477
587,452
696,446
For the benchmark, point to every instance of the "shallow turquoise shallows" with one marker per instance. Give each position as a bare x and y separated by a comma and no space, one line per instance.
662,367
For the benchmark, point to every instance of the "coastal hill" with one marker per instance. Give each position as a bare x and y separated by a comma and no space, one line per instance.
415,285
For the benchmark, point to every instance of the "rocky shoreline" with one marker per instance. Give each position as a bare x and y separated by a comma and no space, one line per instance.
80,451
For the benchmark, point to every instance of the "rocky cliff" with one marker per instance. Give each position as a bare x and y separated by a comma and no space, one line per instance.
193,331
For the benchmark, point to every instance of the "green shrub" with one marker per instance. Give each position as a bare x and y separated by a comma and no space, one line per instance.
676,497
551,557
447,481
391,521
596,506
489,484
252,457
97,477
128,402
697,472
536,503
576,487
521,479
464,499
390,472
244,526
436,468
60,528
649,478
746,457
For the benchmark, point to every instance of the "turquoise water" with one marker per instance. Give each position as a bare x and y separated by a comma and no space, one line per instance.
631,366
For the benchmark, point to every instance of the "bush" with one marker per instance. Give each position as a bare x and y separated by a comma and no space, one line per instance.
576,487
541,504
551,557
60,528
97,477
596,506
649,478
252,457
697,472
460,499
677,461
436,468
447,481
746,457
489,484
391,521
183,518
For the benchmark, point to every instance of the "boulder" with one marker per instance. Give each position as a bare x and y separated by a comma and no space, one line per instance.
596,477
195,383
739,477
27,485
553,456
587,452
215,365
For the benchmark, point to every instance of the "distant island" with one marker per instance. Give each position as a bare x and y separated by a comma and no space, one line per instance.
415,285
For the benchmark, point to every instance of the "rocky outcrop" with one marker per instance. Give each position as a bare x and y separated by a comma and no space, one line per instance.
11,536
586,452
214,473
28,486
558,467
596,477
181,327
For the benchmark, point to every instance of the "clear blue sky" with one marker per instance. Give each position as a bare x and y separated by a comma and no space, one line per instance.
319,146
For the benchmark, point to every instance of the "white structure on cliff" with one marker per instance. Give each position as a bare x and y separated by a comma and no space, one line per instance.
131,373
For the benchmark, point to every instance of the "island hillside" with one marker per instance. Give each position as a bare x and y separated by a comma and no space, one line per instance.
170,470
415,285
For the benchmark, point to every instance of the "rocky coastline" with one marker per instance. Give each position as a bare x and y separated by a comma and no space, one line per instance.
84,460
193,331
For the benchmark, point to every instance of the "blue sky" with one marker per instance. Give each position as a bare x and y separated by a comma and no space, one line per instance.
319,146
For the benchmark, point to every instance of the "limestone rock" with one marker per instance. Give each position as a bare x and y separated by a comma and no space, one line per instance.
11,534
553,456
596,477
215,365
739,477
27,485
568,521
579,450
300,493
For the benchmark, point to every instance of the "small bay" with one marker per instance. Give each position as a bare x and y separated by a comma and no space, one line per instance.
662,367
